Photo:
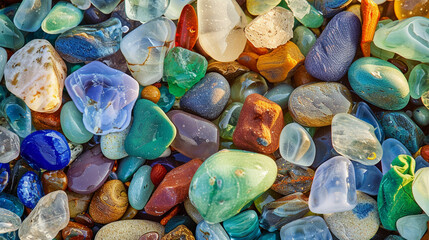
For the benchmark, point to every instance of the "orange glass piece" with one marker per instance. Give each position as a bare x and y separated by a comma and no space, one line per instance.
187,28
250,60
370,16
411,8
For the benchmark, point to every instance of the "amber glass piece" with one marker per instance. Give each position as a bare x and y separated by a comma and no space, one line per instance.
411,8
187,28
370,16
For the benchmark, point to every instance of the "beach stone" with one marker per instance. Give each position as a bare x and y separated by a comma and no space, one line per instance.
413,227
192,212
271,29
360,223
76,231
113,144
78,203
292,178
315,104
36,73
128,229
334,50
140,188
246,84
180,232
127,167
208,97
229,70
259,125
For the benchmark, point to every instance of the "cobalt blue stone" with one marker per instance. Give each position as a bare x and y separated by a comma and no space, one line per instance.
4,175
331,55
11,203
46,149
391,149
30,189
167,99
401,127
368,178
329,7
364,112
208,97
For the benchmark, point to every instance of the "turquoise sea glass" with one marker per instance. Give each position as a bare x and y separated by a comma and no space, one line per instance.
61,18
244,226
31,13
378,52
10,36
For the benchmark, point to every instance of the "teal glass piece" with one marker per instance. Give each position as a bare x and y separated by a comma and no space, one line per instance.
72,124
141,188
419,80
167,99
145,10
304,38
421,116
378,52
408,38
105,6
280,94
10,10
17,114
128,166
243,226
61,18
3,60
210,231
305,13
10,36
11,203
229,119
31,13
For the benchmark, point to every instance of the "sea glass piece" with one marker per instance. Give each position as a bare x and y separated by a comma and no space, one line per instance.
9,221
31,13
247,84
90,42
243,225
105,6
364,112
62,17
29,189
11,203
355,139
419,188
258,7
81,4
72,124
145,10
304,38
36,74
334,187
17,114
305,13
407,38
419,80
278,213
396,192
311,227
187,27
10,145
413,226
391,149
183,69
212,231
271,29
225,42
410,8
229,119
104,95
146,47
175,9
368,178
11,37
296,145
229,180
48,218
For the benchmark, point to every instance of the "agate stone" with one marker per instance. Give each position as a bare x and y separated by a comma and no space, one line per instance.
292,178
11,36
30,14
104,95
61,18
311,227
212,231
10,145
227,181
243,225
151,132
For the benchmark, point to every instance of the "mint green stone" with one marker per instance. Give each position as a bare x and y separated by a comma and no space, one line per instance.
419,80
62,17
72,124
244,226
228,120
141,188
421,116
128,166
378,52
408,38
151,132
228,180
305,13
183,69
10,36
304,38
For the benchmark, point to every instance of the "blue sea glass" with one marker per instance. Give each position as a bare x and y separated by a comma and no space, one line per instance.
30,189
10,36
31,13
364,112
17,114
243,226
128,166
145,10
206,231
391,149
90,42
46,149
311,227
11,203
104,95
368,178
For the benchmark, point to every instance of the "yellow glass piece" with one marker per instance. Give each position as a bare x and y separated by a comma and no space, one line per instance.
410,8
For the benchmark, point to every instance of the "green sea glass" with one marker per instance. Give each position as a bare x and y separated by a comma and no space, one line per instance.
229,119
228,180
304,38
62,17
378,52
419,80
10,36
305,13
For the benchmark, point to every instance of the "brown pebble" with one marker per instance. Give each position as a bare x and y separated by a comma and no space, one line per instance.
130,213
53,181
109,202
302,77
76,231
230,70
181,232
42,121
85,219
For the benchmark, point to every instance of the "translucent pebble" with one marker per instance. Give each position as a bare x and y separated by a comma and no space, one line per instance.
296,145
145,10
31,13
311,227
9,145
9,221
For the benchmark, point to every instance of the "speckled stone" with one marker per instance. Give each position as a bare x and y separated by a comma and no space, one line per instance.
361,223
128,230
113,144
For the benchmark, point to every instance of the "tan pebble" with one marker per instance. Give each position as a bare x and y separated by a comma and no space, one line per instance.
128,230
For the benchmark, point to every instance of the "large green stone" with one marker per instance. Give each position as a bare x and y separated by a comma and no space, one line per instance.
183,69
228,180
395,197
151,132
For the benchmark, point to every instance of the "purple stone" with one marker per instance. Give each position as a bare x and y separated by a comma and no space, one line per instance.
104,95
334,50
196,137
87,173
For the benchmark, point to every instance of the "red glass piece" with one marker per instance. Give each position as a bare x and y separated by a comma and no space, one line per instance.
187,28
